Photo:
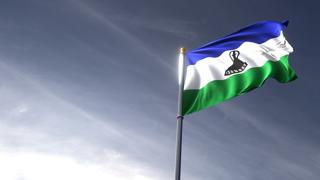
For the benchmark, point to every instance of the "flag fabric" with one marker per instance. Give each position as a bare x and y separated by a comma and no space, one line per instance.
236,64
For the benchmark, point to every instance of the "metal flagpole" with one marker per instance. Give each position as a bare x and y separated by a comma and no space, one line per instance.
179,114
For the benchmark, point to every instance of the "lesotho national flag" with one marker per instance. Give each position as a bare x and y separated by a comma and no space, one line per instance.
236,64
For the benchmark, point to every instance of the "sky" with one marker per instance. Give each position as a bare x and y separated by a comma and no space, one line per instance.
88,90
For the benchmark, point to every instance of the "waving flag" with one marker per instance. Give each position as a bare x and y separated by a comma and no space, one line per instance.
236,64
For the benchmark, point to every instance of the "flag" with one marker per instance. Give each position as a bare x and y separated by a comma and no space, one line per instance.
236,64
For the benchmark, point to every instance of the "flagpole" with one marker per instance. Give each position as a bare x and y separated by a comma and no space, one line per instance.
179,113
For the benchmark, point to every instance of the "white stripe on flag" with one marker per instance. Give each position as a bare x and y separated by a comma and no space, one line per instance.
255,55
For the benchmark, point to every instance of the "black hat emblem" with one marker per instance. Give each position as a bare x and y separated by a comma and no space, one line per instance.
237,66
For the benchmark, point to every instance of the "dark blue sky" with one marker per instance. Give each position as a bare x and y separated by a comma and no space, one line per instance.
88,90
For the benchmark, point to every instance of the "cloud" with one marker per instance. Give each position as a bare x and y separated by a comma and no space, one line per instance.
43,136
175,27
39,166
130,38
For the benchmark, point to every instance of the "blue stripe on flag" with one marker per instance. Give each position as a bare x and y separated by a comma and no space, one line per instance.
256,33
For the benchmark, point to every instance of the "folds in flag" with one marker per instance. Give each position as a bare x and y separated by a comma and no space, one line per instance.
236,64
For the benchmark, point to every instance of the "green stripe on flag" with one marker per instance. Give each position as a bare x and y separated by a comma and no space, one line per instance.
218,91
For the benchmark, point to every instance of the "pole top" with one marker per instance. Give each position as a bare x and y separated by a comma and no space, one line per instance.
182,50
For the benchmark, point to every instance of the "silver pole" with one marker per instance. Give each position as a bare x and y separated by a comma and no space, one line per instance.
179,114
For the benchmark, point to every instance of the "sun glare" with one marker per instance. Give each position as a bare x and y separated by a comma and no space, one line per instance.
33,166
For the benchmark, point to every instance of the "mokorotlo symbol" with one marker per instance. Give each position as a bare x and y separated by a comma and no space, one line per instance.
237,66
